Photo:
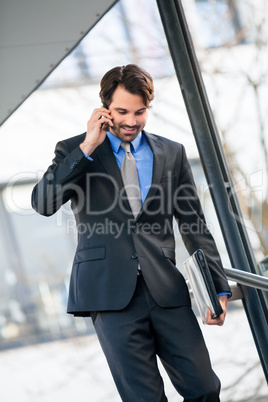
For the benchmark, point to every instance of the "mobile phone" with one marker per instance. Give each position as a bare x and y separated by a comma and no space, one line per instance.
107,124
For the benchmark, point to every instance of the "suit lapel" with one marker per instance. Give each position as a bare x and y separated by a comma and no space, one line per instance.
106,157
158,165
158,159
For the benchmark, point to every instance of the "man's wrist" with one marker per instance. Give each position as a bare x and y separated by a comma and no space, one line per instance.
88,157
85,154
86,148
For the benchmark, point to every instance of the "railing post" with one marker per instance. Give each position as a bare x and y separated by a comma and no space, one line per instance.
214,165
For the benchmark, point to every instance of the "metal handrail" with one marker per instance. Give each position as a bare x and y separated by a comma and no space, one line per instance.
247,278
242,278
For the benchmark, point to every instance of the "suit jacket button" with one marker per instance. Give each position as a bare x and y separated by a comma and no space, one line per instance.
73,164
134,256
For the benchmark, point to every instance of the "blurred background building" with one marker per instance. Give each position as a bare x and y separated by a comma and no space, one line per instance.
230,38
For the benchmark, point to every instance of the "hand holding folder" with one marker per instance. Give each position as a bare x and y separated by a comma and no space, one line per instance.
202,285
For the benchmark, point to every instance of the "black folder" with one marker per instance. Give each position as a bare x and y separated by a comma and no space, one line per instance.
202,285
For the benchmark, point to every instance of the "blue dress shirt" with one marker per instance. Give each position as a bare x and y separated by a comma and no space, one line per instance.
143,155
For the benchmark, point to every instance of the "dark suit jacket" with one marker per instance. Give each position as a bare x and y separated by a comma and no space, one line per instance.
110,241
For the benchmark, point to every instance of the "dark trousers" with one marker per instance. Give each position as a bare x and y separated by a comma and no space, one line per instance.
131,339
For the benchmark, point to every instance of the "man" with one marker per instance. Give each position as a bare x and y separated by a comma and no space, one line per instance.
125,187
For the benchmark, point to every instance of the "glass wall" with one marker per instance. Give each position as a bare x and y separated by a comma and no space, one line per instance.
232,53
36,257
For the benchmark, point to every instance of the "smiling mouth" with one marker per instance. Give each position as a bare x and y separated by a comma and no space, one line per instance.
130,129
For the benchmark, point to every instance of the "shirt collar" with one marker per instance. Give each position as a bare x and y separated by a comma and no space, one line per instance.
116,142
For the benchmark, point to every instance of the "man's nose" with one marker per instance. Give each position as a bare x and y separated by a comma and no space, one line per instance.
130,120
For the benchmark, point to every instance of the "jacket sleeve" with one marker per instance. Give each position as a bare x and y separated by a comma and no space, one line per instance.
192,225
59,183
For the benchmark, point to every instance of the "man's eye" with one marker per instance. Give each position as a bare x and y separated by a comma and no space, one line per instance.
121,112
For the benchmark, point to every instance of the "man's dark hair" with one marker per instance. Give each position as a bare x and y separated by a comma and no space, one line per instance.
132,78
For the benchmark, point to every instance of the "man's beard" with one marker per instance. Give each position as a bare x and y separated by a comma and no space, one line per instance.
125,132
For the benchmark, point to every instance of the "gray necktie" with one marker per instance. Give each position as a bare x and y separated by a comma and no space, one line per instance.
130,179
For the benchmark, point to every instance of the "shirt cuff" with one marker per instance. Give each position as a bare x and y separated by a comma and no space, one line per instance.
225,293
88,157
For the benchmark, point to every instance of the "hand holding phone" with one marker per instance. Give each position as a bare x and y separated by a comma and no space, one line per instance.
96,129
